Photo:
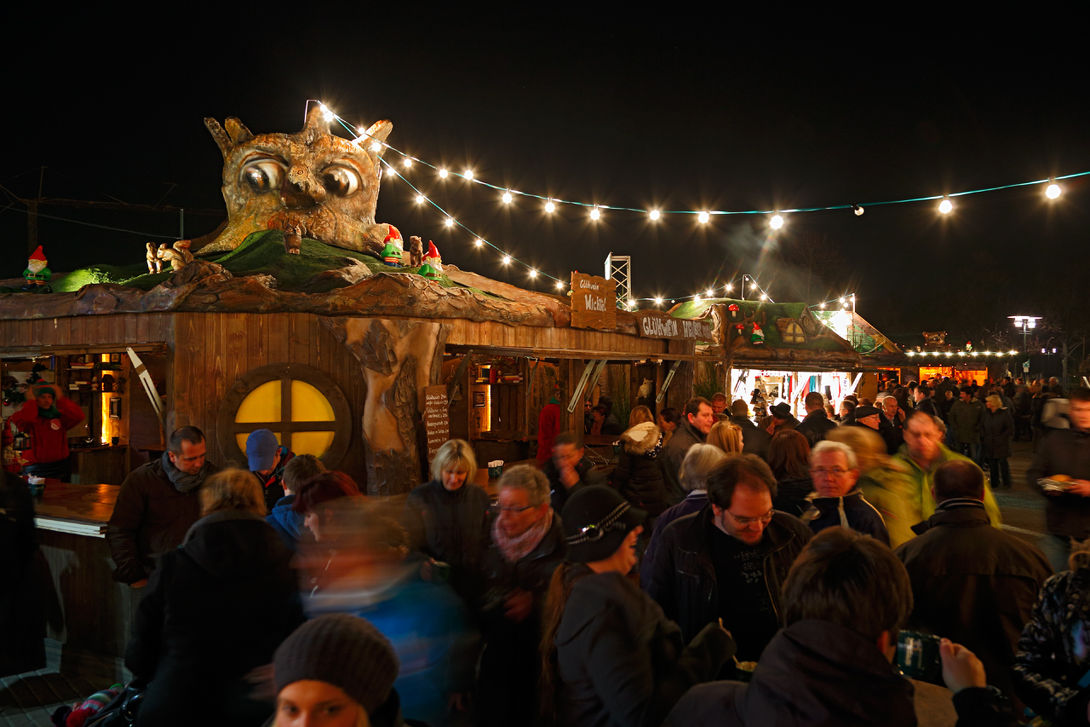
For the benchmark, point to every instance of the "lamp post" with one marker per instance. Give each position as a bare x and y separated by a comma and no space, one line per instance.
1025,323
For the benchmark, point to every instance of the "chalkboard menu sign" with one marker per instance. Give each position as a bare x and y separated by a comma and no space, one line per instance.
593,302
436,418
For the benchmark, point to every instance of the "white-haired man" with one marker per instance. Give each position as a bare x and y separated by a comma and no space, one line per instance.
834,471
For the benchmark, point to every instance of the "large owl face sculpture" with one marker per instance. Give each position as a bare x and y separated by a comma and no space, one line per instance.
308,184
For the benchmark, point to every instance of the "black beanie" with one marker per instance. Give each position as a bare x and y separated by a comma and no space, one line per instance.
342,650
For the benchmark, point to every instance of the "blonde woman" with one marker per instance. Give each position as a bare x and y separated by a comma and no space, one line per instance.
216,608
447,517
727,436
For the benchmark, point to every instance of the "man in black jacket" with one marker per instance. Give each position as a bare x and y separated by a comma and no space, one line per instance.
696,421
156,505
729,560
568,470
1061,470
816,424
971,582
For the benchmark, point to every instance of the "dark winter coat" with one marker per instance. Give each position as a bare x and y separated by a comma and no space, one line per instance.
964,419
1046,668
820,674
816,425
215,609
1064,452
850,511
683,578
694,502
792,493
997,431
619,661
559,494
511,663
24,573
685,436
150,517
973,583
451,527
638,476
754,440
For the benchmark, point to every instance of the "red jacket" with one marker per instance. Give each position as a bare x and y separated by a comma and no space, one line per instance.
48,437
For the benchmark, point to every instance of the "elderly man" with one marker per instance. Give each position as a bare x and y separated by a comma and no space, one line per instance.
873,418
974,584
834,472
697,420
527,546
156,505
920,456
729,560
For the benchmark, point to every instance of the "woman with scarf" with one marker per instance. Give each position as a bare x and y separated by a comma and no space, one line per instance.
47,418
527,546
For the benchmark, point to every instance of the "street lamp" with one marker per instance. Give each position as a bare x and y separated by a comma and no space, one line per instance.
1026,323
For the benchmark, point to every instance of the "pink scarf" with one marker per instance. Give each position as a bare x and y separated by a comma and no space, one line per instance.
518,547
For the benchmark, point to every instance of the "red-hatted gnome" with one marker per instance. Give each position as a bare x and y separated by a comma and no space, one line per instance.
393,247
37,275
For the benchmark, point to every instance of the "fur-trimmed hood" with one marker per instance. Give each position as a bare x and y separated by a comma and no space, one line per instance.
642,438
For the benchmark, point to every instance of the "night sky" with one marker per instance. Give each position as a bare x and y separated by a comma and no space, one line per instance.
630,108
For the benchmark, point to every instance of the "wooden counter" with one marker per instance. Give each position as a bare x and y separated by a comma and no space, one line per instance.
87,609
76,509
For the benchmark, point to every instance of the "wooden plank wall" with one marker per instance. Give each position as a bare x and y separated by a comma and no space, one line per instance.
214,349
553,340
81,331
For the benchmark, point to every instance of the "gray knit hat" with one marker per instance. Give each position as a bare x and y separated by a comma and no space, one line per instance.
342,650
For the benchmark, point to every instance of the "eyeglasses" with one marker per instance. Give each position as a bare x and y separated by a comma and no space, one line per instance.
744,521
496,507
829,471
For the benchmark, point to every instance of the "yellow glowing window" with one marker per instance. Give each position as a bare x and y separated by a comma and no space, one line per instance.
293,409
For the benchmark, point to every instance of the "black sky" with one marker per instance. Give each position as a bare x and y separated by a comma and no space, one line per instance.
628,107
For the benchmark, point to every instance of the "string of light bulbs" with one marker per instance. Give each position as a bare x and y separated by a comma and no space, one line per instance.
776,219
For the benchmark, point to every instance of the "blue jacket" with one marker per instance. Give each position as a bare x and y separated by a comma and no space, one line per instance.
850,511
287,523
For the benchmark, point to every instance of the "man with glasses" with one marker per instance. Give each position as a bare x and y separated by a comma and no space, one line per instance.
834,472
729,560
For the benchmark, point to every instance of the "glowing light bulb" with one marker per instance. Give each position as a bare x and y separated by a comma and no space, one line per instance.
1053,191
696,298
468,174
946,206
595,213
550,207
703,218
376,146
506,260
443,173
478,242
821,305
858,210
533,273
360,131
449,222
560,285
658,301
407,163
728,287
326,112
753,286
843,301
507,197
420,199
776,222
631,303
764,296
654,215
709,292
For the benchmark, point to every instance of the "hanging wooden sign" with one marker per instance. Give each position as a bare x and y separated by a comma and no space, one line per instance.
593,302
656,324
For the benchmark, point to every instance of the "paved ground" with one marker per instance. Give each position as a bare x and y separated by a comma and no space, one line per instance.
29,699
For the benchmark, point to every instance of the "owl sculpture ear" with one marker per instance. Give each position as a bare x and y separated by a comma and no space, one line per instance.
236,133
378,131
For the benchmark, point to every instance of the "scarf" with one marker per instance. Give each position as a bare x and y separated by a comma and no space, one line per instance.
516,548
182,481
52,412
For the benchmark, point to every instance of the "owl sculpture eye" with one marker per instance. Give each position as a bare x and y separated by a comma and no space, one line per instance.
263,174
341,180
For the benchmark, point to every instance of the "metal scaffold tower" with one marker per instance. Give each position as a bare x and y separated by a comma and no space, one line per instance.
619,268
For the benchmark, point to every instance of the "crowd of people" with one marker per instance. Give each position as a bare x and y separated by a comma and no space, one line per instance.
727,570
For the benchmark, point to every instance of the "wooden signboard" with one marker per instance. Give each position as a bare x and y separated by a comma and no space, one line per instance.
436,418
656,324
593,302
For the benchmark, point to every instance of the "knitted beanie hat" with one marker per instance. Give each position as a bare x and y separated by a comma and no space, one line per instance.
342,650
596,521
